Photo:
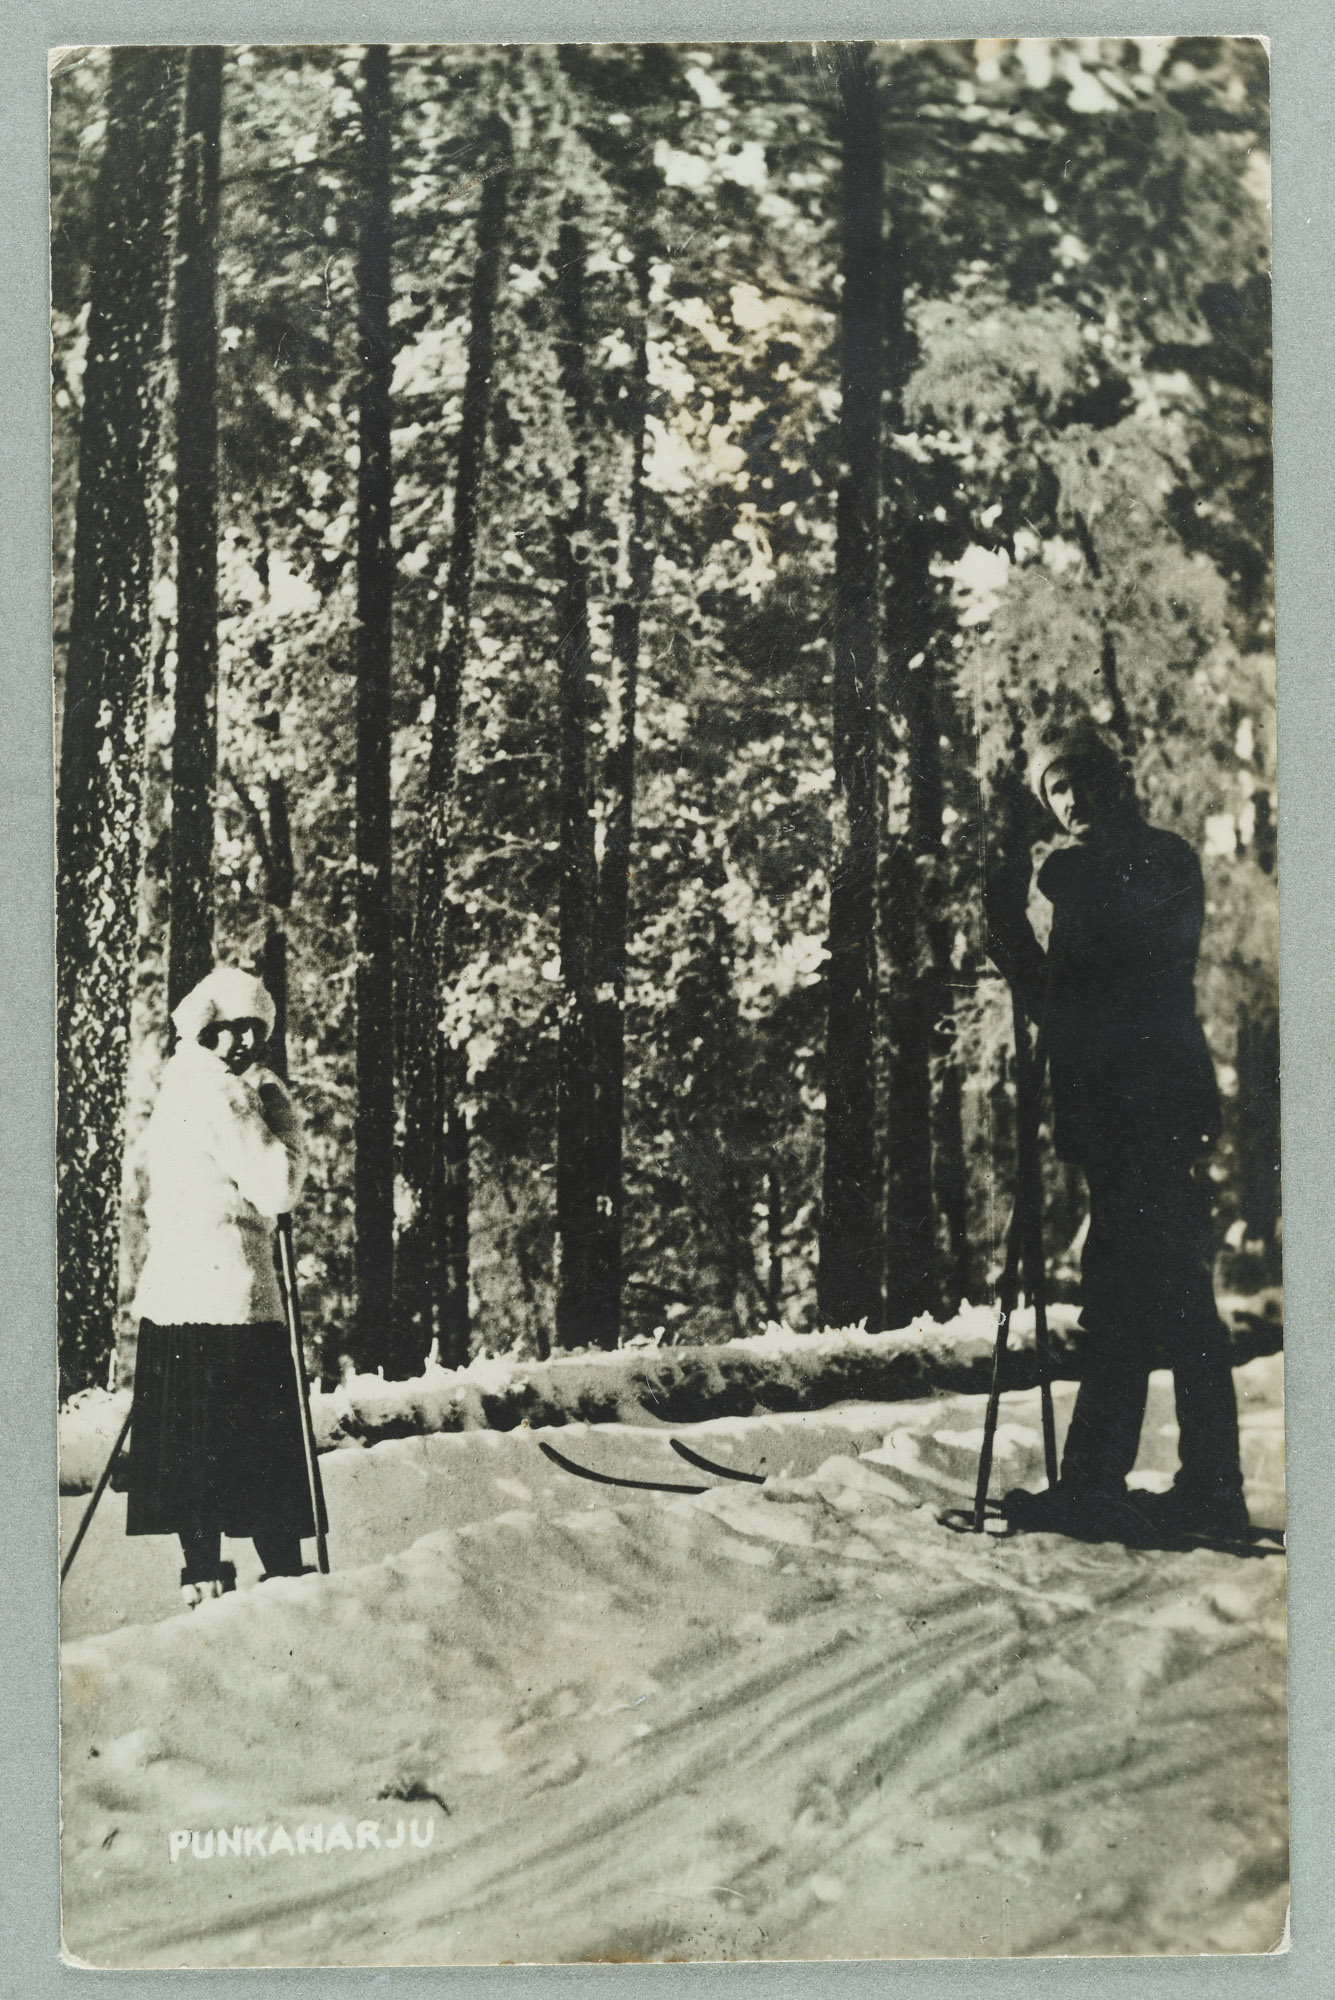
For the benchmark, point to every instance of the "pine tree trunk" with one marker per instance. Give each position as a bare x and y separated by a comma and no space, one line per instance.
609,1020
195,723
272,969
949,1173
374,1124
713,1132
926,1212
102,742
432,1276
272,831
911,1004
1120,720
909,1223
576,1193
910,1237
736,1285
848,1287
774,1244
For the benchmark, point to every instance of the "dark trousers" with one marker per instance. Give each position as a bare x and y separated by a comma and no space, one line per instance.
202,1549
1147,1296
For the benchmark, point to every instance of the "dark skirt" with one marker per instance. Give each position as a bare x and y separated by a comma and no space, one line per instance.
216,1437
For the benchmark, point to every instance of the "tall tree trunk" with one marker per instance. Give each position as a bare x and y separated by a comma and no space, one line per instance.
195,722
271,831
910,1237
910,1242
723,1173
1119,718
909,1226
374,1126
925,1143
848,1284
102,741
576,1193
609,978
774,1242
432,1276
949,1171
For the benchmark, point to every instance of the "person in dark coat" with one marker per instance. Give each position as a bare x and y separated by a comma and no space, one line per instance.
1136,1105
216,1438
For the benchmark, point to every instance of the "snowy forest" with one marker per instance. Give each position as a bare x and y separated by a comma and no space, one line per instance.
558,557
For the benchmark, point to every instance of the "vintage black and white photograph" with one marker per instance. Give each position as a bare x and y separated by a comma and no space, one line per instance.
670,1331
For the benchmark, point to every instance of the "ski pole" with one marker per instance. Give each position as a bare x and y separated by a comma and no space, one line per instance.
1024,1240
1009,1287
1029,1084
287,1271
98,1491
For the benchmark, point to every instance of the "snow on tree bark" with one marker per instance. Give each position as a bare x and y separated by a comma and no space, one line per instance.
432,1278
609,1019
576,1194
618,97
102,741
195,725
374,1128
910,1237
848,1282
913,848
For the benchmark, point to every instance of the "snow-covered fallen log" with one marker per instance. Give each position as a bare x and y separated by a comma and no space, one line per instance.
774,1370
770,1371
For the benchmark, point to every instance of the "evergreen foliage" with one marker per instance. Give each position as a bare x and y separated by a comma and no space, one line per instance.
563,670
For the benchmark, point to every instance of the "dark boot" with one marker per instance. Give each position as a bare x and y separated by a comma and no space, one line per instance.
280,1555
1088,1513
1186,1512
204,1574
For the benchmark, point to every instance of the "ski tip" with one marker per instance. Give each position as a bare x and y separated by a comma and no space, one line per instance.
612,1479
709,1465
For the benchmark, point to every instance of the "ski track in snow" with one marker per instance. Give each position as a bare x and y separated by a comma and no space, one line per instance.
798,1721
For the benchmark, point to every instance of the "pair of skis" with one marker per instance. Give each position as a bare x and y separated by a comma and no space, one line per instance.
653,1485
1024,1255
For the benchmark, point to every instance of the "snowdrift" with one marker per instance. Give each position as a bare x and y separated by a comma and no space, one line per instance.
797,1720
772,1371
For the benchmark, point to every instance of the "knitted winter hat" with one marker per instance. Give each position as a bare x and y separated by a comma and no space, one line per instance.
1083,744
225,994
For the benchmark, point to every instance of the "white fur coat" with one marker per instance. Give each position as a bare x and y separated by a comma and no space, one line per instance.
224,1157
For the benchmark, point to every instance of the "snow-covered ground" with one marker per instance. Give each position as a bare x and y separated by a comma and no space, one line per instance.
803,1719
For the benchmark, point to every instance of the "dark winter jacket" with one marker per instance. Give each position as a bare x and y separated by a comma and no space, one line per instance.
1115,995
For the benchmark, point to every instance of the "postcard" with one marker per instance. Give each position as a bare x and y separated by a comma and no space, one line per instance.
669,1214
